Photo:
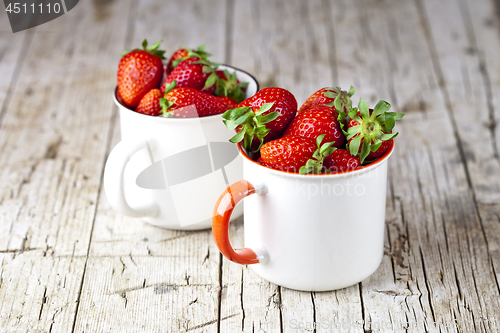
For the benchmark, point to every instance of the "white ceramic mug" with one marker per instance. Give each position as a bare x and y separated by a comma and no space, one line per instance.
307,232
170,171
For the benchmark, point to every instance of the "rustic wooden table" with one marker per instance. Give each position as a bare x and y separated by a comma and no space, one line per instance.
69,263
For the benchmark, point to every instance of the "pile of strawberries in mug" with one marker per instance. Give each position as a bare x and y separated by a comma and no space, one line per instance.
190,79
325,135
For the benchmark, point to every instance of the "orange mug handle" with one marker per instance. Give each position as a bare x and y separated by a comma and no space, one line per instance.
220,222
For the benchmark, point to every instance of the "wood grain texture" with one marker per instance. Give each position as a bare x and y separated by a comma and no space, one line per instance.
472,84
70,263
437,225
53,137
169,281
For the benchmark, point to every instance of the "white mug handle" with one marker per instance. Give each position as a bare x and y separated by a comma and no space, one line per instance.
113,179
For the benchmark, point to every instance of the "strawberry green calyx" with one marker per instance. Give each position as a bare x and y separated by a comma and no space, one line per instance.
343,105
199,52
315,164
165,103
343,98
251,124
212,78
229,87
153,49
372,128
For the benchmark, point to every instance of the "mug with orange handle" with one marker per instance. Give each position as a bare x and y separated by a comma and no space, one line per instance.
307,232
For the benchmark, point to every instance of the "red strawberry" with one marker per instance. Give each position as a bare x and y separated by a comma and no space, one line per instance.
327,97
370,131
261,162
231,103
179,54
287,154
185,102
262,117
341,160
185,53
139,71
317,120
150,103
315,163
187,74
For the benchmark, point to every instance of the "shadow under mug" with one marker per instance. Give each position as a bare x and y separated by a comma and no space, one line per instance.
307,232
170,171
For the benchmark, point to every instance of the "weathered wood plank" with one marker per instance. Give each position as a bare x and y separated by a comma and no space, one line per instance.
39,293
256,302
53,139
181,269
183,24
54,136
436,242
283,43
392,298
435,60
472,82
150,294
13,49
294,53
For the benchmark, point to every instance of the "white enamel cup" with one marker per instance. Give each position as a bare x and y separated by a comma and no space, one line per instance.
307,232
170,171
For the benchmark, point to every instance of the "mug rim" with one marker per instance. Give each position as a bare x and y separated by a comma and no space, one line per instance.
362,169
121,105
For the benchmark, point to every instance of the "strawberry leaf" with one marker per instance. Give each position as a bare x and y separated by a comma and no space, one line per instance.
365,150
364,109
342,100
375,147
230,87
199,52
315,164
319,139
310,167
268,117
353,131
396,115
238,137
380,108
242,119
389,123
252,124
386,137
337,103
264,107
353,114
354,146
248,140
211,79
351,91
234,113
261,130
235,117
153,49
165,105
178,61
207,69
330,94
326,149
